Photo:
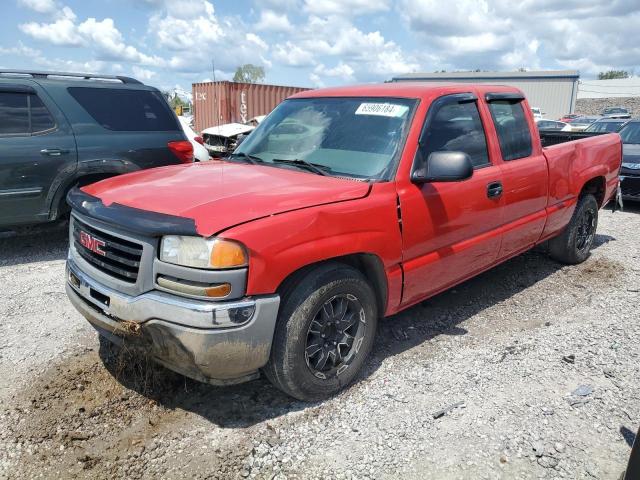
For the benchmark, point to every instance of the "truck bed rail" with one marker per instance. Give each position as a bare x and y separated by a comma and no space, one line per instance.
553,138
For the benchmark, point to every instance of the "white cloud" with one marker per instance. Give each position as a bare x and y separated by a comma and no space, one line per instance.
40,6
272,21
142,73
61,32
345,7
342,70
292,55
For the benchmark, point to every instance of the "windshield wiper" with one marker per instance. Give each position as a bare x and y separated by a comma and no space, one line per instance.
252,159
313,167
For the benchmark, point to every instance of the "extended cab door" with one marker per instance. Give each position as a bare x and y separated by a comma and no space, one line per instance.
524,172
451,229
37,150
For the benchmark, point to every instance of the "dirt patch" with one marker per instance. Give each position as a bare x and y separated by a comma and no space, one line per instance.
80,418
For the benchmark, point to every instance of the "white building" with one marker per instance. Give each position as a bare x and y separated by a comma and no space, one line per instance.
619,87
554,92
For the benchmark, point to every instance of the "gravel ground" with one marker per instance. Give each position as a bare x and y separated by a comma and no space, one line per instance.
527,371
595,106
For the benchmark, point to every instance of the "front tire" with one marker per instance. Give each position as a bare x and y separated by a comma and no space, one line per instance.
574,244
325,331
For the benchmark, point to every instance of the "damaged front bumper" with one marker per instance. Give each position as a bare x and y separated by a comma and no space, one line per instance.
213,342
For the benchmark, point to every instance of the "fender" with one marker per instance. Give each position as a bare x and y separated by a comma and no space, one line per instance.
282,244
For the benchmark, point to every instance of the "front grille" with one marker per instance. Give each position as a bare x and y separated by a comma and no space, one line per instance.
121,257
630,186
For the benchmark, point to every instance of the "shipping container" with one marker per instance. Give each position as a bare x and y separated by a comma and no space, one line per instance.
217,103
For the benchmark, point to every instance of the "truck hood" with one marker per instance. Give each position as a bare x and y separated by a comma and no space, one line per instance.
219,195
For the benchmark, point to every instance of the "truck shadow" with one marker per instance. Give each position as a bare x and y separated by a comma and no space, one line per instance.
257,401
38,244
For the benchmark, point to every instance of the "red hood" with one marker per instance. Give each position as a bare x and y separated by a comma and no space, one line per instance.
218,195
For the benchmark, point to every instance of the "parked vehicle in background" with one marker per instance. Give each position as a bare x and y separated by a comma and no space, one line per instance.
200,154
537,112
255,121
545,125
344,205
220,141
607,125
59,130
630,171
568,117
616,112
581,123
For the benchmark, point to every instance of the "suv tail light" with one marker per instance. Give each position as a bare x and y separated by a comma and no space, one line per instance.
200,140
182,149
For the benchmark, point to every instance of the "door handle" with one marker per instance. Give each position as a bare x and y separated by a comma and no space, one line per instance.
53,152
494,189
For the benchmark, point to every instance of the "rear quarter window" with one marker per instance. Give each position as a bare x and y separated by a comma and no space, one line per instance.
512,128
126,110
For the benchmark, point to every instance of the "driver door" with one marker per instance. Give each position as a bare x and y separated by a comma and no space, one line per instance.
451,230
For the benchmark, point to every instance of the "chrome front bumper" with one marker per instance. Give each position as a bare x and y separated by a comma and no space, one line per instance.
199,339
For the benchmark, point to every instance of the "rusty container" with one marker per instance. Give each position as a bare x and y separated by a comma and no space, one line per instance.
217,103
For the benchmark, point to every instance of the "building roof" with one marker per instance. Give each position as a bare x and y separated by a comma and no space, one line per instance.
573,74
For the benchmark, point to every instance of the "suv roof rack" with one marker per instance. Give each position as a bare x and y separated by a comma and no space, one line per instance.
84,76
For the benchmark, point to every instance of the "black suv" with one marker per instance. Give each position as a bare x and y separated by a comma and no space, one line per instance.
58,130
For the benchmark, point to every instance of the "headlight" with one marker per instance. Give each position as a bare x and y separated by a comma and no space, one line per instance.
201,252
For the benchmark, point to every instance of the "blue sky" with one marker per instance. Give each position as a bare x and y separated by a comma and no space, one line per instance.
170,43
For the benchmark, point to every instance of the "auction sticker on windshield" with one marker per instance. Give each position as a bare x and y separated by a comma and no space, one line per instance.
382,109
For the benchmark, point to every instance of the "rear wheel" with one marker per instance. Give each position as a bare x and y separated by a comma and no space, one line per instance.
324,333
573,245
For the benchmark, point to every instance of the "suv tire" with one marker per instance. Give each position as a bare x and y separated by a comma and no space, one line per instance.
324,333
573,245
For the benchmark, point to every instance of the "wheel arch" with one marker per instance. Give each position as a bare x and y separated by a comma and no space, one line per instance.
368,264
596,186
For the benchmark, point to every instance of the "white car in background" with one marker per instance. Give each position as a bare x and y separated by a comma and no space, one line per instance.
546,125
537,112
200,154
221,140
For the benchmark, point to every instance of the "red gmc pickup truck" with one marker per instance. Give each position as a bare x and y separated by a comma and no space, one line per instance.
344,205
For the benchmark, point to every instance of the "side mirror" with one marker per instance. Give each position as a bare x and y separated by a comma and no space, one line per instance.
444,166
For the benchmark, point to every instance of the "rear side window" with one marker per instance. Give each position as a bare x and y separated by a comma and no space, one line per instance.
512,127
14,113
23,114
41,119
456,127
126,110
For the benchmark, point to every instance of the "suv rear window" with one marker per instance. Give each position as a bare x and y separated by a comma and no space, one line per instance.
126,110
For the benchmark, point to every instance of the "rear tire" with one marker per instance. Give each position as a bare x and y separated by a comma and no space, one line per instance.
573,245
325,331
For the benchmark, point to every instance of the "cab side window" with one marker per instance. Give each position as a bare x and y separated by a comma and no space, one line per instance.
457,127
512,128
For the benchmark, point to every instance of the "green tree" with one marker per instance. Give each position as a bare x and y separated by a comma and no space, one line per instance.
249,73
176,101
611,74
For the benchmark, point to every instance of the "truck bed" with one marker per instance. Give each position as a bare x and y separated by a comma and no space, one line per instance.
553,138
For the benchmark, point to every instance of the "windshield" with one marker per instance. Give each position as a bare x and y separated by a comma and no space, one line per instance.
355,137
604,127
610,111
630,133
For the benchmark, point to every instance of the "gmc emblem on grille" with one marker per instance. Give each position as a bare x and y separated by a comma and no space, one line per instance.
92,243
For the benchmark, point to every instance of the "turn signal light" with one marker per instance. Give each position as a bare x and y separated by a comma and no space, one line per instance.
218,291
227,254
